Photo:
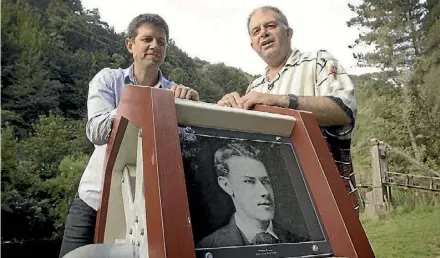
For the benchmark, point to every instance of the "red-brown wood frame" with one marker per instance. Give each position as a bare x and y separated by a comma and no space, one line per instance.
343,228
167,211
169,231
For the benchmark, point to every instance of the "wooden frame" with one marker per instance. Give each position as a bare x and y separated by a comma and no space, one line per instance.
346,234
167,217
168,229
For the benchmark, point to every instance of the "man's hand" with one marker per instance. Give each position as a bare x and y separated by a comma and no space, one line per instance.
231,100
182,92
253,98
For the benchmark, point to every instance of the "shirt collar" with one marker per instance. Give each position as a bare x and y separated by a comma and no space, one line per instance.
249,232
270,230
291,61
130,79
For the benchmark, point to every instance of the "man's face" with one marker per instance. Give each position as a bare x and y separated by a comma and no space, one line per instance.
269,38
149,46
250,188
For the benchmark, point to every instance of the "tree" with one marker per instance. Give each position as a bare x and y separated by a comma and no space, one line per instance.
392,29
398,100
426,81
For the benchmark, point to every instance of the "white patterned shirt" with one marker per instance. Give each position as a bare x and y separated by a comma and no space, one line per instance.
319,74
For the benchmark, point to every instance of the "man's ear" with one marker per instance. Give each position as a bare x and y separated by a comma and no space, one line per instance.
167,46
129,44
225,185
289,33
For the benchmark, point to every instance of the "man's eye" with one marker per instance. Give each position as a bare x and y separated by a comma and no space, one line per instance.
266,181
256,32
248,181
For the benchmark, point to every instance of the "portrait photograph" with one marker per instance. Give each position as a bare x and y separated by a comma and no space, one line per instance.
247,196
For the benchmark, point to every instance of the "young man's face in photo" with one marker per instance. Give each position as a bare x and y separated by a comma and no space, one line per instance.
250,188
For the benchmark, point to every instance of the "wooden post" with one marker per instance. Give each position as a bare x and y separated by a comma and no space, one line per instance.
379,199
383,160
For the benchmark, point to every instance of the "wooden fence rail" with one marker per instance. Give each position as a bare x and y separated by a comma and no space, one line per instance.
413,181
378,200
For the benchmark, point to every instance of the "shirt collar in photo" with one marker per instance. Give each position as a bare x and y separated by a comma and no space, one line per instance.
249,232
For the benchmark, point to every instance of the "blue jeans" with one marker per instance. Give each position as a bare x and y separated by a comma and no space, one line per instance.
79,229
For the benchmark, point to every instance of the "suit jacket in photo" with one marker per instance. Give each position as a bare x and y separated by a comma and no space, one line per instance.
231,235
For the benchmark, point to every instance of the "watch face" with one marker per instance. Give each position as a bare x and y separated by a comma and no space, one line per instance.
293,101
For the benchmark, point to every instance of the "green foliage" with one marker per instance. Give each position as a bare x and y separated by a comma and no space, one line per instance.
25,217
49,54
54,138
39,177
230,79
64,187
9,155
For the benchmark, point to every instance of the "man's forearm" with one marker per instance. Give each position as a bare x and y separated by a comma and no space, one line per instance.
99,128
326,111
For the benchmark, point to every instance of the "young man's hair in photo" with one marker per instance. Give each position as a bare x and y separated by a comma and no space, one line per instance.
242,149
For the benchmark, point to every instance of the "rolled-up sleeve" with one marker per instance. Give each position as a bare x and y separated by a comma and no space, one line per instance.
101,107
333,82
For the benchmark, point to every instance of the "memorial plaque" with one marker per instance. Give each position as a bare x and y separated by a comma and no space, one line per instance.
263,187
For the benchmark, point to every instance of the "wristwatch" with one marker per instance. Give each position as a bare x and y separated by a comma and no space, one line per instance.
293,101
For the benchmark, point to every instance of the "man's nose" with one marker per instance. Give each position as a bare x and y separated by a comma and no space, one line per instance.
154,44
264,33
262,189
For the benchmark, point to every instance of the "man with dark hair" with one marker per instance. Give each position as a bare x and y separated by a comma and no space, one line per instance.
313,82
242,175
147,41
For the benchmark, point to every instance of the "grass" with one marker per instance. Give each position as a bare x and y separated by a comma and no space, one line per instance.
406,234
